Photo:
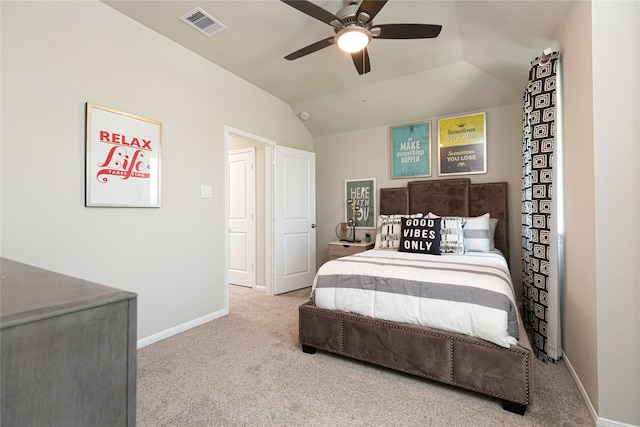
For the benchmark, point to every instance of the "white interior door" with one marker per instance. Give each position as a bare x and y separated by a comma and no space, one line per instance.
242,221
295,217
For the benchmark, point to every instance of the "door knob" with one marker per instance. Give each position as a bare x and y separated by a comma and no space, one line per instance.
313,226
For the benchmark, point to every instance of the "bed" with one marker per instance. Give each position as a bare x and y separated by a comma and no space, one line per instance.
488,366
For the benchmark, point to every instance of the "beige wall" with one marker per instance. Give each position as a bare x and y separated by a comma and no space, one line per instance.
601,65
579,302
616,131
366,154
173,257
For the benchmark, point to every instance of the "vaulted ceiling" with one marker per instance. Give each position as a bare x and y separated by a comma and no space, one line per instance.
480,59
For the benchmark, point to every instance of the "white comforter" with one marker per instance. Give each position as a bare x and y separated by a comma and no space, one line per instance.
470,294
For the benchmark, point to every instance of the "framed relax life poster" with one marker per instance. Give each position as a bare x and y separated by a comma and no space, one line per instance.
411,150
122,159
462,145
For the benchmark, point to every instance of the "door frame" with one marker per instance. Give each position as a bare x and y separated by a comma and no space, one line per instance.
269,146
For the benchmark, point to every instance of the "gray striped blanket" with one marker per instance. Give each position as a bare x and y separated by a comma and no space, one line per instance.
470,294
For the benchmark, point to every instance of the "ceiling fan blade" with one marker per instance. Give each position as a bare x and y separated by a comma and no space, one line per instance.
361,61
408,31
371,7
312,10
310,49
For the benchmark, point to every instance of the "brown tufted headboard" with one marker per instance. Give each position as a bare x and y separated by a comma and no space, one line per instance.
452,197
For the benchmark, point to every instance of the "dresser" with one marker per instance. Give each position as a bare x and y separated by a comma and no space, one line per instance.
68,354
339,249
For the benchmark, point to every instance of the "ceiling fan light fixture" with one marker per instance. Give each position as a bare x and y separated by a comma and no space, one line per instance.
353,39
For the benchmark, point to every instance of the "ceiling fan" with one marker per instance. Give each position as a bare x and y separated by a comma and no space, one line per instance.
354,29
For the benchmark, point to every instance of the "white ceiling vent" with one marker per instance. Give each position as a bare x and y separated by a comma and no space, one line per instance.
203,22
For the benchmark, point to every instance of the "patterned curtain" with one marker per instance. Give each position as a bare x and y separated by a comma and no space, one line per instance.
539,232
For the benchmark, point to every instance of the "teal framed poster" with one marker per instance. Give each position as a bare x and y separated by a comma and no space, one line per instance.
411,150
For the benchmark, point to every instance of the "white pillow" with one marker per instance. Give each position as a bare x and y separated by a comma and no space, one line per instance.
478,232
452,235
388,231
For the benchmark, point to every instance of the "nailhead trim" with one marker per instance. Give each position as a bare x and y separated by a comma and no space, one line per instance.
452,339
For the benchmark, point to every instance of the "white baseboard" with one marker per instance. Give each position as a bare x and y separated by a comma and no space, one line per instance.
143,342
603,422
600,422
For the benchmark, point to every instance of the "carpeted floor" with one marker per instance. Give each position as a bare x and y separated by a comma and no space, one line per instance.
247,369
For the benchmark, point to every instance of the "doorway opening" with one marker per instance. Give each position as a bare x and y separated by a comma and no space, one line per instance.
262,240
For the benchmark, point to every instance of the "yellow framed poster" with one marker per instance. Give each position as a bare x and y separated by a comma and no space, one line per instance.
462,145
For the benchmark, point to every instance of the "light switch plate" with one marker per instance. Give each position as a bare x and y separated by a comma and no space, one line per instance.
206,191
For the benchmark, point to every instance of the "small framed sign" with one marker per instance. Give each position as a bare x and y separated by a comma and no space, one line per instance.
411,150
360,194
462,145
122,159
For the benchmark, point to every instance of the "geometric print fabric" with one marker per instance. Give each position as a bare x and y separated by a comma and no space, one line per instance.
538,141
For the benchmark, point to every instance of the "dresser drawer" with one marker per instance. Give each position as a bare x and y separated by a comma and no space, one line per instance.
340,249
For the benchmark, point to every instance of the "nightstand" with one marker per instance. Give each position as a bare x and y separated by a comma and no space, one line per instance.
339,249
